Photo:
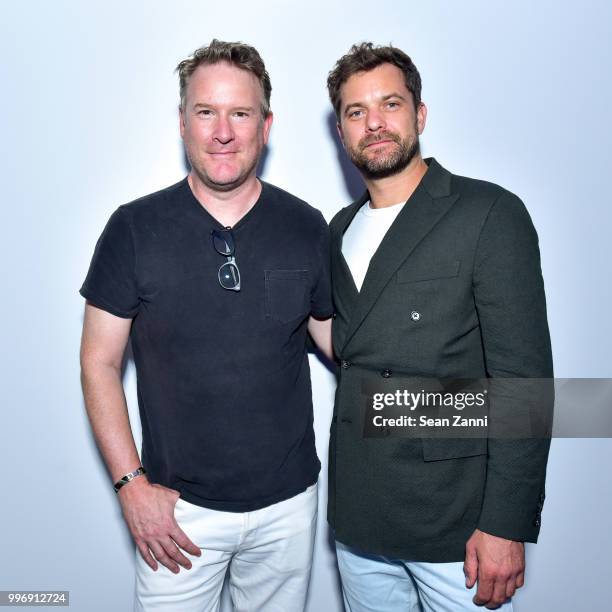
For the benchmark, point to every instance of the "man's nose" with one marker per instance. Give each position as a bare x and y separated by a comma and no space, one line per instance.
223,132
375,120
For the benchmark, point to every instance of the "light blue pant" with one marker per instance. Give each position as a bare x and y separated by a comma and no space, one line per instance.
373,583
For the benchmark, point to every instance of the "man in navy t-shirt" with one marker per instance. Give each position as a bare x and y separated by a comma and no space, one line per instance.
217,280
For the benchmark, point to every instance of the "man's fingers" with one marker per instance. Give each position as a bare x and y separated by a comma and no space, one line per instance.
493,592
180,537
499,594
501,568
149,512
174,553
510,587
146,555
470,567
484,591
162,556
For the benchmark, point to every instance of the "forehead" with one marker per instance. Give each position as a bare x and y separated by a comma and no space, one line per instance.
223,83
369,85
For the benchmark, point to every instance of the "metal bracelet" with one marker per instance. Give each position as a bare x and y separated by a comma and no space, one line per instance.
128,477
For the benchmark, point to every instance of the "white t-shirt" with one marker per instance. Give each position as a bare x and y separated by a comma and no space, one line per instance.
364,235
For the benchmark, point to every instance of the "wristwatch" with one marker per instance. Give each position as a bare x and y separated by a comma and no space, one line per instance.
128,477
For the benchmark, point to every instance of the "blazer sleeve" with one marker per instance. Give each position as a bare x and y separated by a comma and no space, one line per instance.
511,306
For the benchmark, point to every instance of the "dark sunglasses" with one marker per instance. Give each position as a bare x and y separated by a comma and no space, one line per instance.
229,275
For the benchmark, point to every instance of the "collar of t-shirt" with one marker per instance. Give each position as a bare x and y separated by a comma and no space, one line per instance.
364,235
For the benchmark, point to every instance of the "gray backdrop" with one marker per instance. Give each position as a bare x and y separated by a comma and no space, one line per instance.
518,93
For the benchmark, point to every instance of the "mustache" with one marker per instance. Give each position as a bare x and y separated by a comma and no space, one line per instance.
368,140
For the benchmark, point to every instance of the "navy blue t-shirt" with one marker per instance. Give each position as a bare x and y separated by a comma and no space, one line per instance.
223,378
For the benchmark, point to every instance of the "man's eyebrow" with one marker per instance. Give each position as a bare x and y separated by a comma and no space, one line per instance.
394,95
235,108
383,99
352,105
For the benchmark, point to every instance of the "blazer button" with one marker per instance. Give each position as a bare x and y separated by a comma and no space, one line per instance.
536,522
345,364
415,316
386,373
334,316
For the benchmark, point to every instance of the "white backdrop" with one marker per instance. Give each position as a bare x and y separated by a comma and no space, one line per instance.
518,93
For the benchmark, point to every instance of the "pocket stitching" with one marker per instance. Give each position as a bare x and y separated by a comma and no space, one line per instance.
430,454
450,271
269,275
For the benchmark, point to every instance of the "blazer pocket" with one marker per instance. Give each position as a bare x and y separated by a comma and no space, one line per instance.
444,270
438,449
286,294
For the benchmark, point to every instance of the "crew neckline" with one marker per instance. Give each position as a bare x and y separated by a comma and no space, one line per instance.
368,211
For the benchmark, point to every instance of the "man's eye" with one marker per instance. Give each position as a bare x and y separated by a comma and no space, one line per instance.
241,114
392,104
205,112
355,114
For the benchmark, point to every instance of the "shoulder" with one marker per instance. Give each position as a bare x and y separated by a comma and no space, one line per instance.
293,211
496,210
153,204
484,192
487,200
339,218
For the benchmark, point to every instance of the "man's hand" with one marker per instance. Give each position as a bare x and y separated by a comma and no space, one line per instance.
149,512
499,566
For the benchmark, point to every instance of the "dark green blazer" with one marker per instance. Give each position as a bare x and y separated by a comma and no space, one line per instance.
463,255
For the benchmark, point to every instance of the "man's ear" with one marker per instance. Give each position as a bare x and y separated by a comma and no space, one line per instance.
421,117
181,121
267,125
340,134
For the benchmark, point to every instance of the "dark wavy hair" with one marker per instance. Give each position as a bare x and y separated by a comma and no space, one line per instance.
366,56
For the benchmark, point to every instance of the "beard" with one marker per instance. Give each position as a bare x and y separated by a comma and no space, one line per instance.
383,166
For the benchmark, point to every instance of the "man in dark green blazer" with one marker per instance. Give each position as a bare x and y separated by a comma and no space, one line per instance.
435,276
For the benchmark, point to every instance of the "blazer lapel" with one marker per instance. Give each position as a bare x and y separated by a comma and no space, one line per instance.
430,201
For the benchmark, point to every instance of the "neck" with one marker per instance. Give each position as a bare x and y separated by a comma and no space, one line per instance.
398,187
227,207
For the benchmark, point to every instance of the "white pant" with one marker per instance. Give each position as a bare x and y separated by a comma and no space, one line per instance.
373,583
268,551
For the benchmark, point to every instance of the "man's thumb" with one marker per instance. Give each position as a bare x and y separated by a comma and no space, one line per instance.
470,566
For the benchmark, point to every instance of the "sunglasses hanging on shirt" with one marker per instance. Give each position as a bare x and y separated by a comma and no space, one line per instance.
228,274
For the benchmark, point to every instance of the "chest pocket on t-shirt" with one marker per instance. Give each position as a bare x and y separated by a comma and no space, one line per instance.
287,296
